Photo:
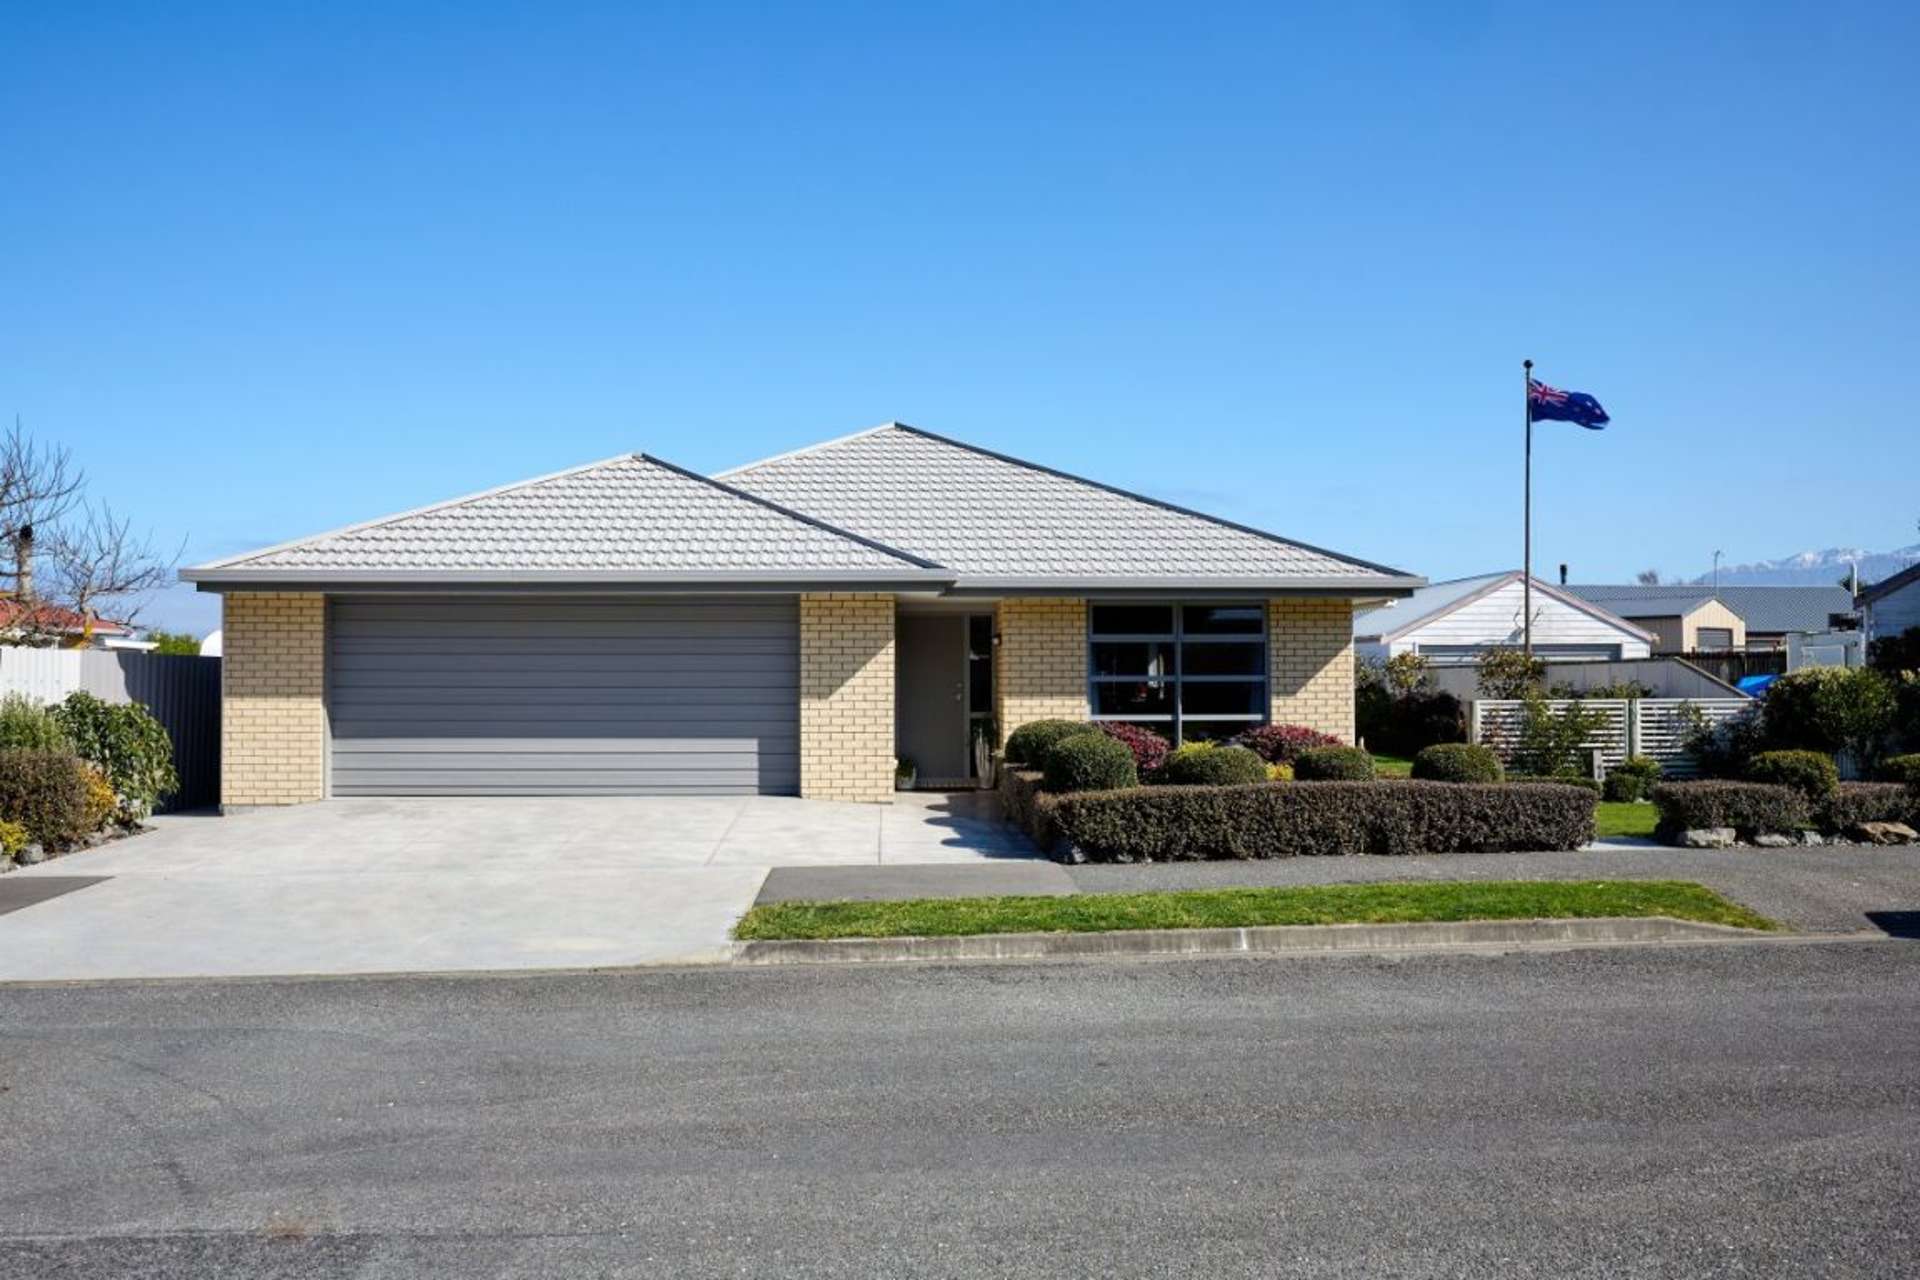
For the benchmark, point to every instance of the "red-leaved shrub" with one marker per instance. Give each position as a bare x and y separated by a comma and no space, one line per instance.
1149,748
1283,743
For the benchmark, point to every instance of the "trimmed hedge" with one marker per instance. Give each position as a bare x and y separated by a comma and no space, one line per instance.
1457,762
45,792
1089,761
1029,807
1334,764
1283,743
1154,824
1747,807
1198,766
1149,748
1853,802
1630,780
1531,780
1028,744
1809,772
1902,768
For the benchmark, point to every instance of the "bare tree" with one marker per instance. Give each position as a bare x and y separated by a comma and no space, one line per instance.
1648,577
70,558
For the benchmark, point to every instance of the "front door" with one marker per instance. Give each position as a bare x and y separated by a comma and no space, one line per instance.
930,697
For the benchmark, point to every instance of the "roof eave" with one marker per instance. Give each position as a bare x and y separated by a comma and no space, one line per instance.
906,578
1342,587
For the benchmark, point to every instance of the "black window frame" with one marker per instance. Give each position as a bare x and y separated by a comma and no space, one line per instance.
1174,724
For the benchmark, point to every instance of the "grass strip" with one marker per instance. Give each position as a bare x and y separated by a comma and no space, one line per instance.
1234,908
1612,818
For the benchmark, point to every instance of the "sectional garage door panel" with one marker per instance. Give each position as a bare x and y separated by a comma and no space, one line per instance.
457,696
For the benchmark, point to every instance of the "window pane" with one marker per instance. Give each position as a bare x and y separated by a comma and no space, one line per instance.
1132,620
1223,659
980,636
1233,698
1133,698
1212,730
1144,658
1221,619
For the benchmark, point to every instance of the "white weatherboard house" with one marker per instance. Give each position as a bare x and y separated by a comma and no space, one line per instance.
1453,623
1892,605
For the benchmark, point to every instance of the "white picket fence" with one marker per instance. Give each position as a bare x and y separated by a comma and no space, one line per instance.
1655,727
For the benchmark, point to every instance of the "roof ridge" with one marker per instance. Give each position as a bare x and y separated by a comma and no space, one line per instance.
1162,503
408,514
811,448
801,516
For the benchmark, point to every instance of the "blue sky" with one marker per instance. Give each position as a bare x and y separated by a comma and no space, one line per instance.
272,269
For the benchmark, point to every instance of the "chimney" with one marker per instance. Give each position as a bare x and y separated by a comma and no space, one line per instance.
23,564
1563,575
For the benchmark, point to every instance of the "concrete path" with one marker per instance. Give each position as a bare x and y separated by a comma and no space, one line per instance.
379,886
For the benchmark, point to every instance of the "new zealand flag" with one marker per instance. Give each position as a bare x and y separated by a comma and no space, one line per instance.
1550,404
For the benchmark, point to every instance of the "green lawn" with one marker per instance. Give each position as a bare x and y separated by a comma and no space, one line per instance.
1228,908
1624,819
1392,767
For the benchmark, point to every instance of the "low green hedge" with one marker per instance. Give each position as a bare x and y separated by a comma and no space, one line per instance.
1333,764
1528,779
1748,807
1284,820
1457,762
1630,780
1901,769
1028,744
1853,802
1088,761
1029,806
1809,772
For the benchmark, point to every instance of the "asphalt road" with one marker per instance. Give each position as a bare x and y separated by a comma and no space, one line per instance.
1711,1111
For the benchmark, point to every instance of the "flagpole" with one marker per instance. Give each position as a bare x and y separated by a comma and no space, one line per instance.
1526,519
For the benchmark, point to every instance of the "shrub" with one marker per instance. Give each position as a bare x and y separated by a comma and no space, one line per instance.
1334,764
13,838
1631,779
101,802
1722,750
45,792
1457,762
1402,726
1279,773
1534,780
1028,744
125,743
1830,709
1202,764
1030,807
1149,748
1089,761
25,725
1893,654
1901,769
1855,802
1337,818
1510,673
1747,807
1283,743
1553,744
1813,774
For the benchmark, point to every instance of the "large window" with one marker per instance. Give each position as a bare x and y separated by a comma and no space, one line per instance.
1188,671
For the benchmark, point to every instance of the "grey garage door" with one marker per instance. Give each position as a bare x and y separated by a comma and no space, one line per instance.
452,696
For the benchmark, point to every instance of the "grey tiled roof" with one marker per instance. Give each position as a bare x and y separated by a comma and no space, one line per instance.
632,514
993,519
1764,609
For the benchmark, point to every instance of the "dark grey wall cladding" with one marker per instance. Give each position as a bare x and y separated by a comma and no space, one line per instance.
567,696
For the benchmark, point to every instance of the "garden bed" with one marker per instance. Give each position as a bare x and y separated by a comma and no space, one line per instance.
1298,819
1757,811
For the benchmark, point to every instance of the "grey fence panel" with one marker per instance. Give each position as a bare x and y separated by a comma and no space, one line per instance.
183,693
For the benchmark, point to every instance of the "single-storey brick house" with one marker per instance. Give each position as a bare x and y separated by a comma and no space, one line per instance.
791,626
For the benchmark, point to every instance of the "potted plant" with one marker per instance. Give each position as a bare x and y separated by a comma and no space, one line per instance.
904,774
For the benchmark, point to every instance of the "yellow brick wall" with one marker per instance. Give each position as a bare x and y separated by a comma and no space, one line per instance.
1310,664
273,720
1040,664
846,697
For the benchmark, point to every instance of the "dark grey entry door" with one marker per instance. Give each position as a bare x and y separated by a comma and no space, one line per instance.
930,696
575,696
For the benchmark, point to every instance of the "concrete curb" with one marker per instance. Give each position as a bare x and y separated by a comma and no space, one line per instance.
1264,940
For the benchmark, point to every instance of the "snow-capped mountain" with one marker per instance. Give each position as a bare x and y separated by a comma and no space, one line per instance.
1816,568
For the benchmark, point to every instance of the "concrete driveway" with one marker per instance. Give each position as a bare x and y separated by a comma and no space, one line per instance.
376,886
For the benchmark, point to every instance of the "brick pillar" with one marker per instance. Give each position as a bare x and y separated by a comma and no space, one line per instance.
1310,664
1040,664
846,697
273,714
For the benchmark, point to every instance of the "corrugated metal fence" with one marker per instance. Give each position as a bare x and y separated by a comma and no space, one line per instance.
183,693
1656,727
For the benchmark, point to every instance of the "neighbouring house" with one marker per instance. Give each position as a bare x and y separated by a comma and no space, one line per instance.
62,628
1700,619
790,626
1892,605
1454,623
